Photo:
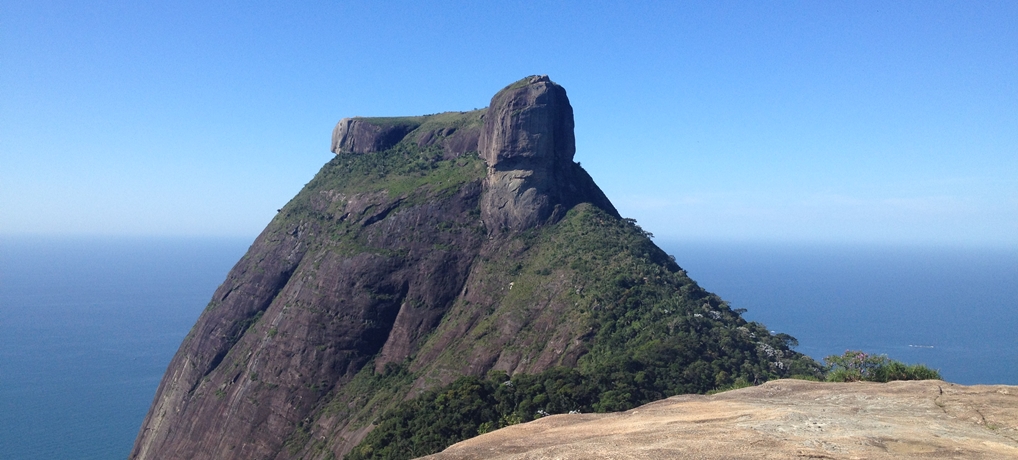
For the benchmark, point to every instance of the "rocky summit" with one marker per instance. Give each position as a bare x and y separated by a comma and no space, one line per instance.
444,276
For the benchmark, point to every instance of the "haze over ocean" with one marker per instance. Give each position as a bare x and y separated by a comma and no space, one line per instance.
90,324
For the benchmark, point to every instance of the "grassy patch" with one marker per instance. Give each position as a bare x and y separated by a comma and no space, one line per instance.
398,171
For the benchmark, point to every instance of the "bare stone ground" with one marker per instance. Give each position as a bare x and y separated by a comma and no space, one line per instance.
783,419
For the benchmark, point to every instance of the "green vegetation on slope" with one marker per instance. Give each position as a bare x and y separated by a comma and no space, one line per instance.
421,123
654,333
406,170
402,169
402,176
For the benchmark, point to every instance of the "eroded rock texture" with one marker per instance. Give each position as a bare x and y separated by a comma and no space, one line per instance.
780,419
298,316
528,144
365,135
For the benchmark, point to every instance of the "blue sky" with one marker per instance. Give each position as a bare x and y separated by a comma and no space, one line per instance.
830,122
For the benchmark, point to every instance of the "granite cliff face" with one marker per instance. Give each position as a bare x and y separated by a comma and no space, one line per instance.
353,135
430,248
528,144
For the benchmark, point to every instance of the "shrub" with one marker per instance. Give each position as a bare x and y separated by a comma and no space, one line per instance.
856,366
900,371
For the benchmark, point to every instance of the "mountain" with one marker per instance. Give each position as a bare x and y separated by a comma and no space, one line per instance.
433,255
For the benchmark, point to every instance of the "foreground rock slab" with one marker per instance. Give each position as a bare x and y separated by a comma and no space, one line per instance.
780,419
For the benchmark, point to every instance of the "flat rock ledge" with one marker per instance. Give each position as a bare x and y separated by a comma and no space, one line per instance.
782,419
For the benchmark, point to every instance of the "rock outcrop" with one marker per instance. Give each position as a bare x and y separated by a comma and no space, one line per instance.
528,144
405,264
456,133
778,420
365,135
454,140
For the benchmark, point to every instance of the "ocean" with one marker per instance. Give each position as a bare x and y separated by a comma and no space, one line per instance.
89,325
952,309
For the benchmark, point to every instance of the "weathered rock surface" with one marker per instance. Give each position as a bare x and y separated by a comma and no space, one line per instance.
366,135
287,326
454,140
780,419
528,144
456,133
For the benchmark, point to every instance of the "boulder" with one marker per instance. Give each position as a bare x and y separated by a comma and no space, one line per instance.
528,144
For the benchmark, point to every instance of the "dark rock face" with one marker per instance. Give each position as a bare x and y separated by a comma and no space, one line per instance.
360,135
528,144
453,141
367,135
291,323
529,120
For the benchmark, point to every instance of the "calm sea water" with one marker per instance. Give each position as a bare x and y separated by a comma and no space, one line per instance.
955,310
88,326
